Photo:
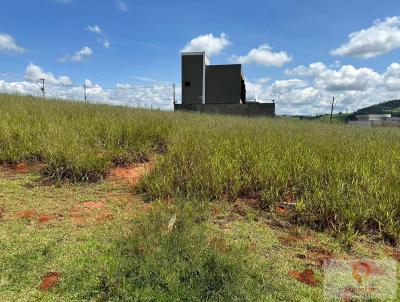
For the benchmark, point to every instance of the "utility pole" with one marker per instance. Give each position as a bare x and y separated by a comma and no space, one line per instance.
84,90
42,88
333,104
174,98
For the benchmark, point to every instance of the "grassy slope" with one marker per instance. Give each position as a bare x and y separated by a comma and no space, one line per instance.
227,252
343,180
340,177
388,107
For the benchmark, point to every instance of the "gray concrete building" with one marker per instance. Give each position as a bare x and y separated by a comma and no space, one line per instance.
372,120
216,88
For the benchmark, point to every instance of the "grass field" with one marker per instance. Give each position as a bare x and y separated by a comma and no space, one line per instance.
123,251
254,199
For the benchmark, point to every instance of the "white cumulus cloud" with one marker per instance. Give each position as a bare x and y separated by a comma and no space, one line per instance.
264,55
9,44
341,78
312,70
312,92
348,78
34,73
78,56
382,37
392,77
209,43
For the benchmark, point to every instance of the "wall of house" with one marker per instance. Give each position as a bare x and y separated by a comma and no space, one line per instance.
223,84
192,78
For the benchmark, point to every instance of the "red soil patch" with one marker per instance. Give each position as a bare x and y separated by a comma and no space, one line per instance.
366,268
26,214
130,174
45,218
2,212
306,277
22,168
90,211
281,211
49,280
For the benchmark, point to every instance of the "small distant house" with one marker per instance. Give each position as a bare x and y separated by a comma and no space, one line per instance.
216,88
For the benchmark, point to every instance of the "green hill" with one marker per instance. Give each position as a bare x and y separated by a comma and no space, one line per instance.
388,107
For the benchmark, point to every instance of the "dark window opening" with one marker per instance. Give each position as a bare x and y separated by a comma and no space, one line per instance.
187,84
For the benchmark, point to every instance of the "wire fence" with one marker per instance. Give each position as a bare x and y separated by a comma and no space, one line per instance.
158,96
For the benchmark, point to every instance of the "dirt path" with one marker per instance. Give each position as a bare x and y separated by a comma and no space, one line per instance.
131,174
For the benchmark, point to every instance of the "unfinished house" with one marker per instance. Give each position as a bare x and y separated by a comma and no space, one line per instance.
216,88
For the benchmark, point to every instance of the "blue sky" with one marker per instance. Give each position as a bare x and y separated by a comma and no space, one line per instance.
138,43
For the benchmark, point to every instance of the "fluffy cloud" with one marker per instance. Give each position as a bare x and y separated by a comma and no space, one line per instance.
9,44
392,77
293,92
158,95
209,43
312,70
101,35
78,56
122,6
263,55
380,38
312,92
35,73
348,78
341,78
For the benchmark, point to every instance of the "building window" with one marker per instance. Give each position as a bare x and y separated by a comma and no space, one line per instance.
188,84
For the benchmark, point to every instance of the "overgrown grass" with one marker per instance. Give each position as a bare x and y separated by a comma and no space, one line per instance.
181,264
78,141
131,256
209,255
338,176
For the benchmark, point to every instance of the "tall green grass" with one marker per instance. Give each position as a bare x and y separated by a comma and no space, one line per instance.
78,141
339,176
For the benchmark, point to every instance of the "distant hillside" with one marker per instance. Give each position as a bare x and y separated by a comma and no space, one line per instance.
389,107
